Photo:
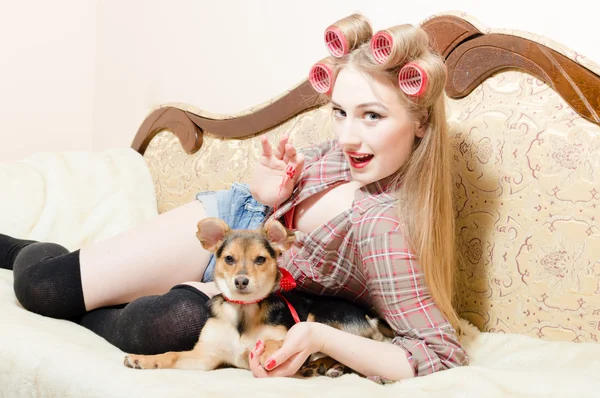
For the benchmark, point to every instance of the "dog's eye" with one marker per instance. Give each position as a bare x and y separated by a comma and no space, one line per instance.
260,260
230,260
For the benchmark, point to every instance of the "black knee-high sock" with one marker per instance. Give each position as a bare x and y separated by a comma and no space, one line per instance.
47,281
9,248
152,324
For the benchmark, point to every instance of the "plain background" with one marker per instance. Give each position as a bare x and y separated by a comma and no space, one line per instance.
83,74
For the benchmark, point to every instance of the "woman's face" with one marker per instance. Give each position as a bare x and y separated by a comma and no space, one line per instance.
373,128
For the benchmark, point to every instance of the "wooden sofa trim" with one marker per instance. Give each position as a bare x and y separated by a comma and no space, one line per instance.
471,57
189,127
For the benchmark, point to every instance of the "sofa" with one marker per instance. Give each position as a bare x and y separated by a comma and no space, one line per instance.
524,114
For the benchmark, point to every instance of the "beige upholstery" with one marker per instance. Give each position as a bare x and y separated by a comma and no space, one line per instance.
219,163
527,196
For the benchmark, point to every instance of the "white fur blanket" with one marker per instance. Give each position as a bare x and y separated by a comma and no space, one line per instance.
74,198
77,198
45,357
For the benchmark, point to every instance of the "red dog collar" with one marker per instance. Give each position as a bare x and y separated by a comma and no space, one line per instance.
242,302
286,283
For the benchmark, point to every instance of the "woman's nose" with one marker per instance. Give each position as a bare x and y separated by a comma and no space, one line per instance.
348,134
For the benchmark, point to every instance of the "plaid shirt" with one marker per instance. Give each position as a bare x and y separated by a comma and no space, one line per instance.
362,254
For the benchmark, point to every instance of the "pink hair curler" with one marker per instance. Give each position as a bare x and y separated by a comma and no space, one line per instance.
336,42
320,77
381,46
412,79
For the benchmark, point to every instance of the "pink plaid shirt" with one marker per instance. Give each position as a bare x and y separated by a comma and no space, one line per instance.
362,254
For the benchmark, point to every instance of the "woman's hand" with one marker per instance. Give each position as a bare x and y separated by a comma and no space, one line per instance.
300,341
270,172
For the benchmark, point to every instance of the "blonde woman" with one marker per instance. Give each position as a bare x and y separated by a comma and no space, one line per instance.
372,211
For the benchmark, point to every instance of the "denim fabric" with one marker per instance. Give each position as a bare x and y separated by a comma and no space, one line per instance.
237,208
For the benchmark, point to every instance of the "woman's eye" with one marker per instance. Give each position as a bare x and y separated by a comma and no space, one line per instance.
260,260
372,116
230,260
338,113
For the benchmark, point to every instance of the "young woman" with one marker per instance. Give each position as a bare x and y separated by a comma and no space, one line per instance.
372,211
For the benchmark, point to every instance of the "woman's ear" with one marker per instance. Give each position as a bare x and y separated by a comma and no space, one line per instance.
420,131
421,126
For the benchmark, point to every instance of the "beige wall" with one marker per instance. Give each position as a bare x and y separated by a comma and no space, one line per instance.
47,62
117,60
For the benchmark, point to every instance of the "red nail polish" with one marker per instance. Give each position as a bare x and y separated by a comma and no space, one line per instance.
258,344
270,365
251,355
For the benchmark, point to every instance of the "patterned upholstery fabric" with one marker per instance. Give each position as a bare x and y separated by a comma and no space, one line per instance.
527,194
220,162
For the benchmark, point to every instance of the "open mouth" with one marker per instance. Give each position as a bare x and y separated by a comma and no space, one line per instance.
358,161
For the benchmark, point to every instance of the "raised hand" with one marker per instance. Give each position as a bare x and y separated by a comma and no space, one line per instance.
269,173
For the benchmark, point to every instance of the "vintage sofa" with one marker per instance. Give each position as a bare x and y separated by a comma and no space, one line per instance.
524,117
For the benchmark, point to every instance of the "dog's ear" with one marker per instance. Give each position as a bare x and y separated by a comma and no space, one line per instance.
211,233
279,236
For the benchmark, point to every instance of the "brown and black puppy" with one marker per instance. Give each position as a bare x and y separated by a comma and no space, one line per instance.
248,309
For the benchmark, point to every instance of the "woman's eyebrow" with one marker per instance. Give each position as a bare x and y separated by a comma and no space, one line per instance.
369,104
365,105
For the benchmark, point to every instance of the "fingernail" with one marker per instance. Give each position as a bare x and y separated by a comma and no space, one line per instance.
251,355
258,344
270,364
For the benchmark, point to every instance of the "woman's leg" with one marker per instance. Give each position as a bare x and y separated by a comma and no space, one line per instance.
148,259
152,324
9,249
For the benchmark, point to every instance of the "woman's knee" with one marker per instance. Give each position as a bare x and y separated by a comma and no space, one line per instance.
47,280
171,322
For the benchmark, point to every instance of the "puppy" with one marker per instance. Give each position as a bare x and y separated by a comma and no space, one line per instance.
252,306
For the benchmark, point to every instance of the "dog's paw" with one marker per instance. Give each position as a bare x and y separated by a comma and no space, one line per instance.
313,369
380,380
310,370
270,347
324,366
336,370
140,362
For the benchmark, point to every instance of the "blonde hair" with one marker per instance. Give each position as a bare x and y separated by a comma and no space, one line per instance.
425,195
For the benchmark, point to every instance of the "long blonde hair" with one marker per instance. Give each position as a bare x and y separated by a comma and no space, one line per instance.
425,196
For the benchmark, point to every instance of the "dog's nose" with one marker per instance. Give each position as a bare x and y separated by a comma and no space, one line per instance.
241,282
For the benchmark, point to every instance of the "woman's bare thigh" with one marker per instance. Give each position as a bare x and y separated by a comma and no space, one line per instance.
149,258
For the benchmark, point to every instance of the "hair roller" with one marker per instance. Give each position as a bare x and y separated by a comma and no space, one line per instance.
336,42
321,76
399,44
347,34
412,79
381,46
